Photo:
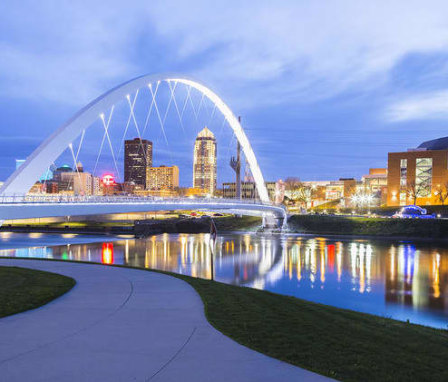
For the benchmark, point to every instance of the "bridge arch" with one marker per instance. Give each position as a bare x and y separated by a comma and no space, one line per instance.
38,162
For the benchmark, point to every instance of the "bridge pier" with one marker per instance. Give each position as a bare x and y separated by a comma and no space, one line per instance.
273,222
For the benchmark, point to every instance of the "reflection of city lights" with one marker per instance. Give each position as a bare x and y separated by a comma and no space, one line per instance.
392,263
399,273
339,260
322,262
330,251
436,273
107,253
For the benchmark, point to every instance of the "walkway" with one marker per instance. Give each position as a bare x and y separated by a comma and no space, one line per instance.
121,324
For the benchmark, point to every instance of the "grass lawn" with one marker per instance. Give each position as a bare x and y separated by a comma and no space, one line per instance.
233,223
342,344
23,289
345,225
339,343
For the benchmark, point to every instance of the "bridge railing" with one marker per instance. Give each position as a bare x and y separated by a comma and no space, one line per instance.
32,199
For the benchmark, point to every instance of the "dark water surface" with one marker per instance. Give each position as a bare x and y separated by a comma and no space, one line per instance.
401,280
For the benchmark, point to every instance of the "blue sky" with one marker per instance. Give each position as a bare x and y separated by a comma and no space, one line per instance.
325,89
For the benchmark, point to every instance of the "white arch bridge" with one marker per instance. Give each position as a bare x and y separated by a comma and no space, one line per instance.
15,204
25,207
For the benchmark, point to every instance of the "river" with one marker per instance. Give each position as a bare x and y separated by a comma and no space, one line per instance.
404,280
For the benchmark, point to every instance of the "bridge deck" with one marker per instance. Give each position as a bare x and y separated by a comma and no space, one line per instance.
39,207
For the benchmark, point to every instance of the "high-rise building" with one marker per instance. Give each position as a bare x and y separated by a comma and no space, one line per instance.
137,159
96,185
162,178
204,161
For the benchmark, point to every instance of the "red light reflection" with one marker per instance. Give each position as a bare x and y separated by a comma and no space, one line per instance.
107,253
330,248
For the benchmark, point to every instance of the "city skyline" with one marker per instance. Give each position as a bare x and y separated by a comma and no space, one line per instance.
340,110
139,171
231,191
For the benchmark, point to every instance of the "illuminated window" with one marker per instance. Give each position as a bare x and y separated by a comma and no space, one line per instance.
403,172
423,177
403,198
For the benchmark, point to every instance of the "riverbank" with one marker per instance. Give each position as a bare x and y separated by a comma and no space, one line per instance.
141,228
363,227
339,343
360,226
122,324
342,344
23,289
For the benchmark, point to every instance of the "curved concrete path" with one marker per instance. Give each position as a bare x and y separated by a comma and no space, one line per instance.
121,324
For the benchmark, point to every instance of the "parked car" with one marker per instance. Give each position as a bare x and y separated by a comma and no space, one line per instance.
413,212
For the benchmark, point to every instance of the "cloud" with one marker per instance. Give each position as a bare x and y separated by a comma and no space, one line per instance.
63,52
254,54
424,106
301,51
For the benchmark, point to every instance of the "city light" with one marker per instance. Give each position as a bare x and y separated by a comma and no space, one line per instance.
107,253
108,180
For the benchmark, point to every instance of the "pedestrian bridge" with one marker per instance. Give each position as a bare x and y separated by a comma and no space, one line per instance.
27,207
69,139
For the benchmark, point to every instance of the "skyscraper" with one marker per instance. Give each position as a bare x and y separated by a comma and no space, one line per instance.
204,161
137,159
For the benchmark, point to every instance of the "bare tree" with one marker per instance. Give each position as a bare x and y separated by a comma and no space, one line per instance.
297,192
442,193
415,190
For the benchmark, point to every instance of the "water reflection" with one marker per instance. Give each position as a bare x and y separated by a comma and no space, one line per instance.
400,280
107,253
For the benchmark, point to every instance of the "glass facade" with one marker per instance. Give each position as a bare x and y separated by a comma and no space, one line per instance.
403,172
423,177
402,198
403,180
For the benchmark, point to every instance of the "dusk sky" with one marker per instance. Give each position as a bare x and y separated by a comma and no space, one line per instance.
325,88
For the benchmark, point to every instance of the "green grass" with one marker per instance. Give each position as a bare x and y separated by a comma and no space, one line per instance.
341,344
344,225
233,223
23,289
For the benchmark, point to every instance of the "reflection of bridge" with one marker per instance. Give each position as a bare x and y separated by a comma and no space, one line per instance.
24,207
20,182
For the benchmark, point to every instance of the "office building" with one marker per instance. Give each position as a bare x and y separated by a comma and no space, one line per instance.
418,176
137,159
51,187
204,161
248,190
73,182
162,178
375,184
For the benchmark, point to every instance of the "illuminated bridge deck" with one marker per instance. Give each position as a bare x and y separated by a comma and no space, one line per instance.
38,207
